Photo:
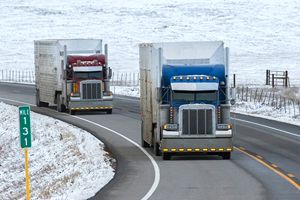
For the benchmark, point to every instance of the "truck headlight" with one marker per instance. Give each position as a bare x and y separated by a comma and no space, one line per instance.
171,127
74,94
223,126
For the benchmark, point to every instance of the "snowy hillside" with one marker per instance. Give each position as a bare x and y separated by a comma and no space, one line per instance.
64,162
261,34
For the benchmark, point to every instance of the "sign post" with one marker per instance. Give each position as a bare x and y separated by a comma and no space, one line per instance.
25,138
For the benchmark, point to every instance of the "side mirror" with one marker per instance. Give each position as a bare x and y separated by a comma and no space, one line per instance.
233,96
157,94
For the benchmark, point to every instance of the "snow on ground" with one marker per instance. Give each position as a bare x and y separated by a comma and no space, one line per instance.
261,34
65,162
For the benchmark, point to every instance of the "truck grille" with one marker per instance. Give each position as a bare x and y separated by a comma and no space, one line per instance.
91,90
197,122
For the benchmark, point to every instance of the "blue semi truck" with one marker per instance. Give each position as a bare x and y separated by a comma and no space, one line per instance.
185,98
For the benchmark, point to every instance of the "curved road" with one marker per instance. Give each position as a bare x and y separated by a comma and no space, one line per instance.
264,165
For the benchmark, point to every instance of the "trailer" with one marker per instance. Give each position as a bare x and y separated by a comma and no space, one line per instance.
185,98
73,74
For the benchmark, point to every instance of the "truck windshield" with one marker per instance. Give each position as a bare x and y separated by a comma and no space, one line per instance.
88,74
183,96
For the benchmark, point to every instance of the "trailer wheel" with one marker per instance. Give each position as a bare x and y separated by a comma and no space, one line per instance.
155,144
226,155
144,144
37,100
109,111
166,156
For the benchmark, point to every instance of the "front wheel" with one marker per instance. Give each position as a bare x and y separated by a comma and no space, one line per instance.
155,144
166,156
226,155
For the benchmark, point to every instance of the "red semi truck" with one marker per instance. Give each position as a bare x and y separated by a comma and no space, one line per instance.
73,74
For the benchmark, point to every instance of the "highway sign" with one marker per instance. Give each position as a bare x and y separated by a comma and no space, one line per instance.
25,131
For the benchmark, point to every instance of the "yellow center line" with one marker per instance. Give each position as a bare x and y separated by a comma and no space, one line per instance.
278,172
126,110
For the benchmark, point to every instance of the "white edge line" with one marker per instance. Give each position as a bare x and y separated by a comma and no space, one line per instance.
267,127
155,166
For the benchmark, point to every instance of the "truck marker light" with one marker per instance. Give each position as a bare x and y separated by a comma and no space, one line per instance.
201,78
174,78
166,149
71,94
87,63
212,149
173,149
99,63
187,78
86,107
194,78
101,107
110,93
181,78
207,78
92,107
97,107
189,149
74,63
197,149
214,78
72,108
111,107
229,127
106,107
82,63
77,108
82,108
228,149
204,149
221,149
165,127
181,149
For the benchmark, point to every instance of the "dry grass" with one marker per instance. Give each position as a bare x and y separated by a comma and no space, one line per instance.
57,185
109,156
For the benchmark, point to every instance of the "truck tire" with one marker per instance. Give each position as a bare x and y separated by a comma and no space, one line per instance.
143,142
109,111
166,156
226,155
72,112
155,144
37,100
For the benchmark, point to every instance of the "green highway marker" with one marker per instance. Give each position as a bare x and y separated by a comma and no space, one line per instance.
25,130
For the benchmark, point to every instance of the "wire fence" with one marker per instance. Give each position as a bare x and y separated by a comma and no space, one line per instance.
118,78
125,79
17,76
270,98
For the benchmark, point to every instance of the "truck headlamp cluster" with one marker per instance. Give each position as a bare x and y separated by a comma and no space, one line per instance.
73,94
223,127
171,127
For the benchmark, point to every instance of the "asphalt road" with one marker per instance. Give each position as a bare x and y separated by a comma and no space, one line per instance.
264,165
